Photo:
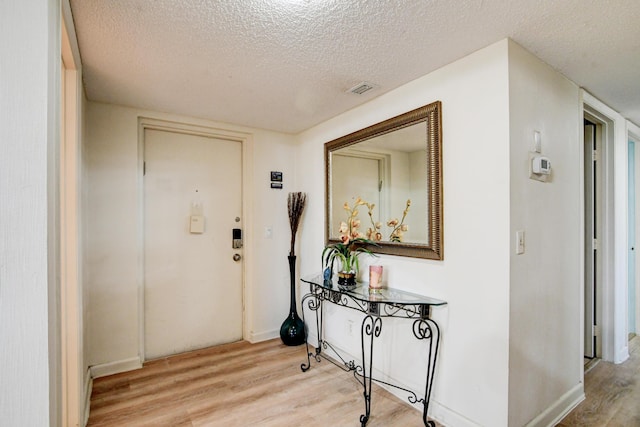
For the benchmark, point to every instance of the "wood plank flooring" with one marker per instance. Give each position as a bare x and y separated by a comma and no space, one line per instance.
244,384
241,384
612,394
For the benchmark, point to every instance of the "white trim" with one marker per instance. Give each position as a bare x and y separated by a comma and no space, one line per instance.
621,243
255,337
71,306
116,367
598,207
580,359
556,412
633,134
633,131
248,232
448,417
67,17
246,141
614,300
604,211
88,389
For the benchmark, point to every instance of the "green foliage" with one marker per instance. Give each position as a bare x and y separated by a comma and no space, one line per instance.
347,254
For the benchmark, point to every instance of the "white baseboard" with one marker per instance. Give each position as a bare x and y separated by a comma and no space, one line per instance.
88,389
116,367
438,412
312,339
556,412
255,337
448,417
549,418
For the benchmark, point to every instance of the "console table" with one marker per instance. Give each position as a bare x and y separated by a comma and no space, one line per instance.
375,306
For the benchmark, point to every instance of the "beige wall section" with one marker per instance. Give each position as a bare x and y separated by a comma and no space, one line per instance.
113,259
545,293
471,386
29,131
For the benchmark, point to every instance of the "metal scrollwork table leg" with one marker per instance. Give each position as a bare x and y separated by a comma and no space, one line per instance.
315,304
371,327
423,329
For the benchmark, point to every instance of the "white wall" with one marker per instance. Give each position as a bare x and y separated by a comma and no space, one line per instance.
419,209
113,264
471,386
29,135
112,259
545,295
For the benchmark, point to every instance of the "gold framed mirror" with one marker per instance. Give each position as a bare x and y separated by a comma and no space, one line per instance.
391,172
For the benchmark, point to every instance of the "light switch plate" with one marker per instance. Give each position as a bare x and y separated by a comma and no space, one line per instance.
196,224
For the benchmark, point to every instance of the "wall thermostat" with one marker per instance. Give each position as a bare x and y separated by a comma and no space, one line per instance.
541,165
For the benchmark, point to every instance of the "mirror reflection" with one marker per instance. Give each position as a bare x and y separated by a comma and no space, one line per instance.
391,172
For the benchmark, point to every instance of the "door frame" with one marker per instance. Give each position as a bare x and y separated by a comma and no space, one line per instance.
246,142
74,373
614,225
633,134
597,208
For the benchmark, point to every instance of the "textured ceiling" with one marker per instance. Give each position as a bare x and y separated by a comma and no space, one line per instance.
285,64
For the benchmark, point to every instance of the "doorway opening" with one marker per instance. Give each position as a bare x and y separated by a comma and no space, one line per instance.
612,249
593,238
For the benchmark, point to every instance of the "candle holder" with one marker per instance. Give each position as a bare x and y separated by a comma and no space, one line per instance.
375,278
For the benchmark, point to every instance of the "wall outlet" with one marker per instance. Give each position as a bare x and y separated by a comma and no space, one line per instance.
350,327
519,242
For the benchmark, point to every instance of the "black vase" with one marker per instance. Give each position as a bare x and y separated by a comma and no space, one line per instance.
292,331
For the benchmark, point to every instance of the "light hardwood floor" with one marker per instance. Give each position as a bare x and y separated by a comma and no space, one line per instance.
241,384
612,394
244,384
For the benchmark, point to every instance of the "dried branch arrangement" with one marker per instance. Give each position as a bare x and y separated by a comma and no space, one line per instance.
295,203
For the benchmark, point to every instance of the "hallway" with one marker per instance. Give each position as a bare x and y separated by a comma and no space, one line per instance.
613,394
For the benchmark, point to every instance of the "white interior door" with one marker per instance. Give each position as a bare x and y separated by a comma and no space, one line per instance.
192,284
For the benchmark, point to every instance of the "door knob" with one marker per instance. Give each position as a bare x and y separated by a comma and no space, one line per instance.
237,257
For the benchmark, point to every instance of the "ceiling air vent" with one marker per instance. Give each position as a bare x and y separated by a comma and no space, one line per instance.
361,88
